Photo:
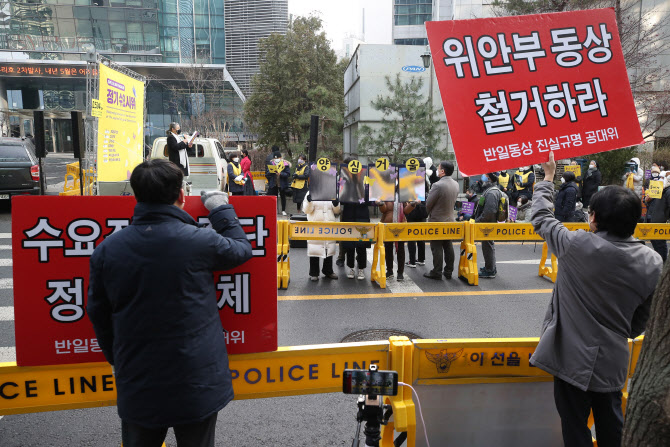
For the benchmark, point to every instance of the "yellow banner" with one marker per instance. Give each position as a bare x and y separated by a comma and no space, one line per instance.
504,232
335,231
121,126
423,231
574,168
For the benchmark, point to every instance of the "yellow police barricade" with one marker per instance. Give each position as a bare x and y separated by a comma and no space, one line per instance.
332,231
280,252
415,231
471,391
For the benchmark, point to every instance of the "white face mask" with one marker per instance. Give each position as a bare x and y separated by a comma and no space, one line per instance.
236,159
592,166
562,180
518,204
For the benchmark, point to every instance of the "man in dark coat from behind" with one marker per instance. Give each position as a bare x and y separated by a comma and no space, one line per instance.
152,302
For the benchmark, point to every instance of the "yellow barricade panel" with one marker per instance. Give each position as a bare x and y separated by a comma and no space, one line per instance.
504,232
442,359
423,231
333,231
652,231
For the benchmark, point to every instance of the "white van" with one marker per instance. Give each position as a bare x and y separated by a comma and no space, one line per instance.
207,162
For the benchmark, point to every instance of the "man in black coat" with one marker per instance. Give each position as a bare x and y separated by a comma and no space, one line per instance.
566,200
152,302
177,148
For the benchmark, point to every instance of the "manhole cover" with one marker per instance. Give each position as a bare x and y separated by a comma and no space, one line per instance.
377,334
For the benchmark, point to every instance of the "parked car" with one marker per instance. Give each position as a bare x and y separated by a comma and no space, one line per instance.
207,160
19,168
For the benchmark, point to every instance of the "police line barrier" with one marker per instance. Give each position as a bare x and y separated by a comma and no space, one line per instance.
466,232
458,367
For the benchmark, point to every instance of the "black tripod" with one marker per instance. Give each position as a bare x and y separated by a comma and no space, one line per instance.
374,413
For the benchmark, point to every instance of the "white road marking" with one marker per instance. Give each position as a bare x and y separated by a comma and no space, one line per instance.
5,262
392,284
5,247
7,313
5,235
7,354
6,283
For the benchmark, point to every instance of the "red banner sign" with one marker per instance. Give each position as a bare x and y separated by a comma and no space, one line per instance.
53,239
514,88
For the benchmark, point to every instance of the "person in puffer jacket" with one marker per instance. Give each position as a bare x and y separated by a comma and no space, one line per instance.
321,211
637,178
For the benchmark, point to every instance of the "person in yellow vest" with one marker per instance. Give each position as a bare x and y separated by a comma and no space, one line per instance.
236,178
300,185
503,181
524,179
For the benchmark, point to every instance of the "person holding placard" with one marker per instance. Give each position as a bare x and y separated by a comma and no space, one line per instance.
634,177
299,183
658,206
524,179
602,297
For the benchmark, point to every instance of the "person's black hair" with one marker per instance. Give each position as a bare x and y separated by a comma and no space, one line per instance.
276,154
447,167
523,199
493,177
569,176
275,148
157,181
245,152
617,210
348,159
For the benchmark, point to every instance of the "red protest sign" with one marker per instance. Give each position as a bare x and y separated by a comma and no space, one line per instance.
514,88
52,241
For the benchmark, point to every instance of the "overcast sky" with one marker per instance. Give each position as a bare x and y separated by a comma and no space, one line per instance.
344,17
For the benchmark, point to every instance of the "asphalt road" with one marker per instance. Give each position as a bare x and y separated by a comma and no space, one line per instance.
511,305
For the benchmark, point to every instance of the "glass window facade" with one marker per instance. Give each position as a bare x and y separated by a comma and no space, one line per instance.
410,41
185,31
412,12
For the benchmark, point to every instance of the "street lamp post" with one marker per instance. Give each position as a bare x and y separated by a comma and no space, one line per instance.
425,57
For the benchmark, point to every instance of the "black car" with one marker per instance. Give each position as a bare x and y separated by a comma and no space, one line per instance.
19,168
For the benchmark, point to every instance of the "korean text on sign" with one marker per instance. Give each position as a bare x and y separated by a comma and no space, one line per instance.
514,88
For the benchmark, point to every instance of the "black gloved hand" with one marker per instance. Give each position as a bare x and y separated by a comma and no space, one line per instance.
336,202
309,197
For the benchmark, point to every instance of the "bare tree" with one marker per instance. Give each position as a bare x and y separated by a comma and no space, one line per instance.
645,38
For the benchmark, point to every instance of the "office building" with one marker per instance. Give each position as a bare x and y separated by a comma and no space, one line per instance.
179,45
247,22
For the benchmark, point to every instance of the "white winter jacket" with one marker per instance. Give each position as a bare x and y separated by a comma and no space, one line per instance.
320,212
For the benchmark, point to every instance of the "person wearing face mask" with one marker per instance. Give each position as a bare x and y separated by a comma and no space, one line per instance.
177,148
658,210
236,179
249,189
524,179
299,184
602,297
278,181
634,178
566,200
592,181
488,208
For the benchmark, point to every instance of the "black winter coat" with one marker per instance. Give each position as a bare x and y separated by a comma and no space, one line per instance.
355,212
590,185
153,305
173,151
658,210
283,177
566,202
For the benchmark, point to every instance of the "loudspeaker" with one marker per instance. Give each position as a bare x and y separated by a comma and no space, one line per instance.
313,137
38,124
78,138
